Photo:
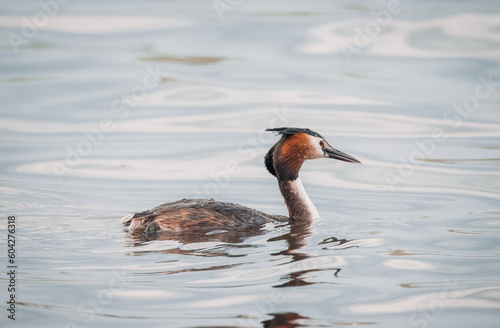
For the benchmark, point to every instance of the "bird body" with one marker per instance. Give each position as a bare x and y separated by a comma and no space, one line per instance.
284,160
188,214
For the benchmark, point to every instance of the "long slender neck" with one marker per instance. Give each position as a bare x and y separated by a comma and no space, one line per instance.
300,207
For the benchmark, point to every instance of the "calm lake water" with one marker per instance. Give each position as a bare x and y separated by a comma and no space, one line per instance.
110,108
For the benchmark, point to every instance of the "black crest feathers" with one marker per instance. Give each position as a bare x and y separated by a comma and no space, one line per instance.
287,131
269,161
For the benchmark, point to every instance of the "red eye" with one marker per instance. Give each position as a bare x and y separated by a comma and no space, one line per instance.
321,143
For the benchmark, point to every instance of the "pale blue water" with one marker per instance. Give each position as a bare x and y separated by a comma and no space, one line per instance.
410,238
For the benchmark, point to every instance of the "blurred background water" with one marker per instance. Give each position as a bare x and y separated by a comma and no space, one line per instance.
113,107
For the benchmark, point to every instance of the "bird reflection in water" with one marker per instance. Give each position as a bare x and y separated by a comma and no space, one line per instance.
296,240
284,320
227,240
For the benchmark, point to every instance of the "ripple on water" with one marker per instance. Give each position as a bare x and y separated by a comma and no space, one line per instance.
482,226
101,24
416,38
454,297
409,265
490,213
258,274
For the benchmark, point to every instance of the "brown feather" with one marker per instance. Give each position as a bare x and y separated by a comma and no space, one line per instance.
291,152
190,214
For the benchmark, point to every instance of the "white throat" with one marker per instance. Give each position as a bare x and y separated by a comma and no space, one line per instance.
300,207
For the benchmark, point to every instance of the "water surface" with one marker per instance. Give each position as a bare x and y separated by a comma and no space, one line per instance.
410,238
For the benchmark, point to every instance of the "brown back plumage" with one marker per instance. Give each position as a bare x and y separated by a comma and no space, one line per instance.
190,214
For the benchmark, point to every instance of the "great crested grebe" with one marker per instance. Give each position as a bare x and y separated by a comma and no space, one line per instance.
283,160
